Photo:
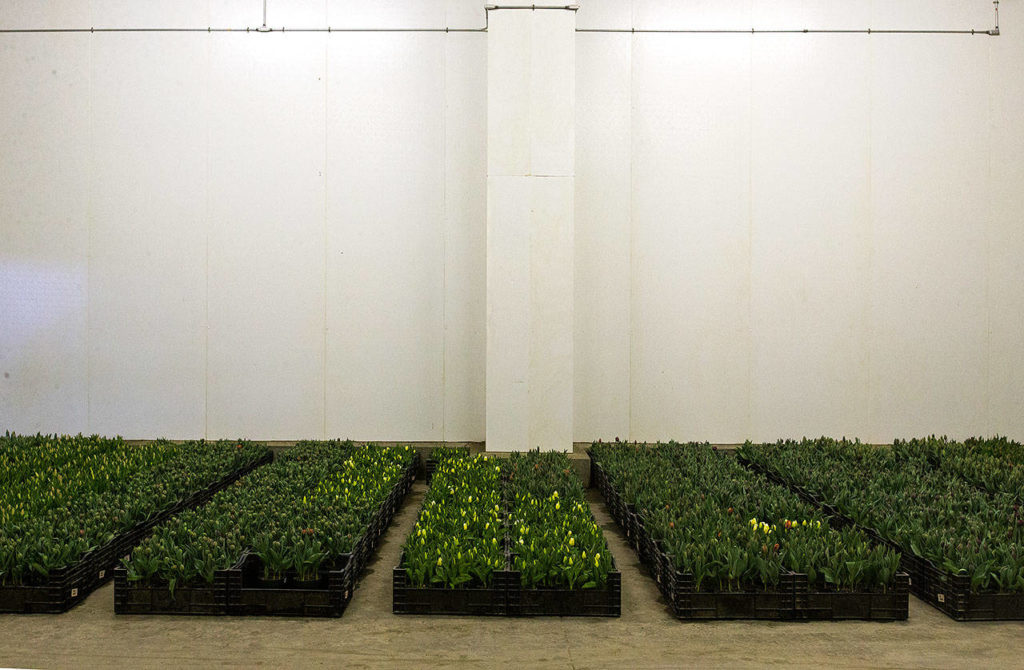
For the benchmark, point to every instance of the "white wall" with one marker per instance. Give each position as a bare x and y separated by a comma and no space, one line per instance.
277,236
284,235
824,231
531,148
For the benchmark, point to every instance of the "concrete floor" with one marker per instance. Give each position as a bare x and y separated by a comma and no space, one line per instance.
369,635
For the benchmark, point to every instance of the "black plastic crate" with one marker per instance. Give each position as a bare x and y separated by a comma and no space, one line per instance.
362,550
381,519
603,602
492,600
648,551
792,599
366,545
472,600
245,597
597,479
962,605
65,588
90,573
689,604
664,572
949,593
62,590
199,599
816,604
641,541
617,511
237,592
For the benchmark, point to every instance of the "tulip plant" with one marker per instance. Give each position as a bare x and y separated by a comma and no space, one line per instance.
930,511
445,453
299,515
555,541
62,496
459,538
733,529
464,530
995,465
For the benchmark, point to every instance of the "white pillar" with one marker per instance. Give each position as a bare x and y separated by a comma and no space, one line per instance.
530,173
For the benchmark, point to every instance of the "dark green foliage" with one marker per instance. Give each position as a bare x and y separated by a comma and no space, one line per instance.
919,495
555,540
442,454
63,496
300,513
733,529
459,538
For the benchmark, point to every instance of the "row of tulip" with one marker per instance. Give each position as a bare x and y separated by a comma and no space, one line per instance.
925,496
63,497
995,465
506,537
526,513
555,541
733,530
459,538
298,516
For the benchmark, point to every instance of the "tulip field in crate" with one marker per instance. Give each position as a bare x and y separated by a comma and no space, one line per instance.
441,454
71,507
812,530
290,539
953,510
726,543
506,537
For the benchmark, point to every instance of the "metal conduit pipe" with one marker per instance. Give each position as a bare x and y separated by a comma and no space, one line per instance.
794,31
993,32
264,28
571,8
259,29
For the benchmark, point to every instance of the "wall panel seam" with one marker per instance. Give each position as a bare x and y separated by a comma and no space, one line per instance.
324,369
206,325
444,234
